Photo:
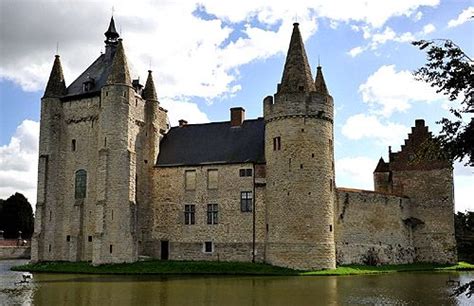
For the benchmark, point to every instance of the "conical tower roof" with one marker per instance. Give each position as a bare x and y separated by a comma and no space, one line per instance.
56,86
119,73
297,72
382,166
319,82
149,92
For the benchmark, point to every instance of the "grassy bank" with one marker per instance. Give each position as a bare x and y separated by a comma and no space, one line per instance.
224,268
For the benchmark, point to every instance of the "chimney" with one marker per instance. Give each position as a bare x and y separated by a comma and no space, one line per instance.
237,116
182,122
419,123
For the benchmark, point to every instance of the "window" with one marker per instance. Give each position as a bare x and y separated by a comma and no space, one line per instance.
81,184
212,179
73,145
68,238
189,214
208,247
190,179
276,143
110,249
212,213
246,201
89,238
49,248
245,172
330,184
330,228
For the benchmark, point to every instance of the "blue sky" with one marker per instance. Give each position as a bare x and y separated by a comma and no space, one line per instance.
208,56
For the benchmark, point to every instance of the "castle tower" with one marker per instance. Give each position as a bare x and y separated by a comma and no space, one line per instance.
427,179
115,239
45,233
300,166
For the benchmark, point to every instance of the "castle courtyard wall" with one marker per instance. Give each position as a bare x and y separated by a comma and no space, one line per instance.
370,226
232,236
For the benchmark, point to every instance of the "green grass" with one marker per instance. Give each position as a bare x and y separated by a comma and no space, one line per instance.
225,268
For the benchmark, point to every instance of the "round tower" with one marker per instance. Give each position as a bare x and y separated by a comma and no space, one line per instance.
300,167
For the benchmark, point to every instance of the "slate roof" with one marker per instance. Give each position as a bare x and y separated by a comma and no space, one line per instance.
99,70
213,143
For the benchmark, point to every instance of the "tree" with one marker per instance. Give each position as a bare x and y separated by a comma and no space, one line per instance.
16,215
451,72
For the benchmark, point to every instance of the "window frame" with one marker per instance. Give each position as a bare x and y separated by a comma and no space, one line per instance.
205,244
209,171
80,184
212,214
246,201
189,214
187,183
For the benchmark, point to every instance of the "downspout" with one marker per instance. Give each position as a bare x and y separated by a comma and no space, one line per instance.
254,199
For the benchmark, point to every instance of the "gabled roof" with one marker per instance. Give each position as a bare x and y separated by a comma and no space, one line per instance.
213,143
99,71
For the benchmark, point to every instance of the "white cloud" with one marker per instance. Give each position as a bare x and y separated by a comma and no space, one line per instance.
355,172
192,55
429,28
387,91
362,126
465,16
19,162
417,16
355,51
183,110
463,193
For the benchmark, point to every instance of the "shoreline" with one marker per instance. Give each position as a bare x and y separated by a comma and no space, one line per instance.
157,267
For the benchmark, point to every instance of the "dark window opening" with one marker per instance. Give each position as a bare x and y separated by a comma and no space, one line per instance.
49,248
105,141
301,88
301,166
302,130
246,199
73,145
189,214
212,213
110,249
276,143
80,189
312,155
68,238
267,227
50,215
330,228
112,214
330,184
89,238
245,172
208,247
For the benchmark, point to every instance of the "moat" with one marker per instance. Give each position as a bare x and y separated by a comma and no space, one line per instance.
422,288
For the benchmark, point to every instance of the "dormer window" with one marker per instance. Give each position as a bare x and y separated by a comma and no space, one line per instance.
88,85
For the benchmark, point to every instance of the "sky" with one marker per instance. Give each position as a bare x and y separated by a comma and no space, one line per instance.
210,55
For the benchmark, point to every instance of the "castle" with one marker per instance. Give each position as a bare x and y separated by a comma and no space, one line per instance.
116,182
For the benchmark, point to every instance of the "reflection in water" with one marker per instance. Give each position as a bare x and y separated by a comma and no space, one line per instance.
394,289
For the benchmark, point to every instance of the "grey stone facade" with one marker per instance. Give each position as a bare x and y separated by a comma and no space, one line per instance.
115,182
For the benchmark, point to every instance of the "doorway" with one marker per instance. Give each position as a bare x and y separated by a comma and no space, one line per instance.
165,249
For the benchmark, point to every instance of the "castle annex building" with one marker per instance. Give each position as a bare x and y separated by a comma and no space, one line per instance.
116,182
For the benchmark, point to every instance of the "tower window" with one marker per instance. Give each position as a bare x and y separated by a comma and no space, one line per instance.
208,247
330,228
68,238
330,184
276,143
211,213
110,249
73,145
89,238
245,172
189,214
49,248
246,201
81,184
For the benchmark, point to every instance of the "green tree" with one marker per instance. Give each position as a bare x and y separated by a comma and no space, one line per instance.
16,214
451,72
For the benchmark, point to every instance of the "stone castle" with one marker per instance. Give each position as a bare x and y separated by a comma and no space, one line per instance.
116,182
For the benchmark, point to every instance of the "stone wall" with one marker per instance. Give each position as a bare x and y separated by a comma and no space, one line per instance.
17,252
232,236
370,228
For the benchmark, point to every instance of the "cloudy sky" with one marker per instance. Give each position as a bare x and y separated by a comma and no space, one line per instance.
210,55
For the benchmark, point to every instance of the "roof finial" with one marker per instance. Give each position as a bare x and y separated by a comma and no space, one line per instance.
113,11
319,61
57,48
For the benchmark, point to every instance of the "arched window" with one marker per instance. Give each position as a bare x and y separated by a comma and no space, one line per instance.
81,184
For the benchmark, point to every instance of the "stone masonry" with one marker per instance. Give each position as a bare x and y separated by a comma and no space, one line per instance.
116,182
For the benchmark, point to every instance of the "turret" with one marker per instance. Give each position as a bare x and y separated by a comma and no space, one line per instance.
382,177
111,39
300,166
47,218
115,239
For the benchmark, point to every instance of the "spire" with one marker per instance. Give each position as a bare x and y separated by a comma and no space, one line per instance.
297,73
319,83
382,166
149,92
56,86
111,33
119,73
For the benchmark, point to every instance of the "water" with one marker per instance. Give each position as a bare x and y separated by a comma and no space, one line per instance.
69,289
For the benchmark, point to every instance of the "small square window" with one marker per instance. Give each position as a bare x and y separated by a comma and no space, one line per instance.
245,172
68,238
208,247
